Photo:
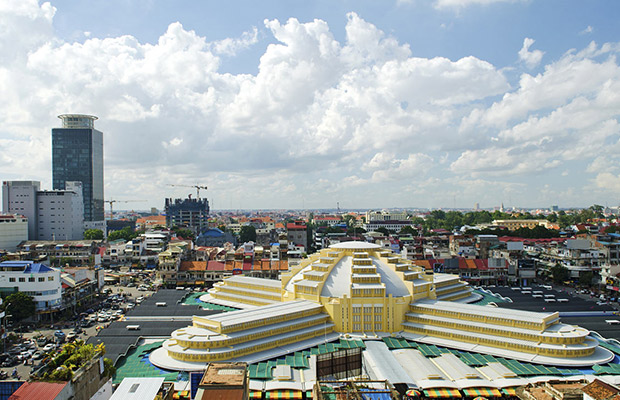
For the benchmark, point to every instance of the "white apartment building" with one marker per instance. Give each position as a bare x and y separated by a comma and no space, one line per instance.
385,215
13,231
36,280
61,213
20,197
51,214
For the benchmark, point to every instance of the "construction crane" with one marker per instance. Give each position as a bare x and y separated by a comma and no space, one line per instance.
111,202
198,187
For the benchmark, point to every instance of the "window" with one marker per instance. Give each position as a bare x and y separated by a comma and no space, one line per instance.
31,279
378,327
11,279
22,279
50,278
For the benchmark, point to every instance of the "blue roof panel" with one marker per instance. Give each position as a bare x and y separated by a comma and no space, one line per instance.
36,268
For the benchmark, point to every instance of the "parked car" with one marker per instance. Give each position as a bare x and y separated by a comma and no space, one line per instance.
38,355
9,362
42,340
26,354
71,336
49,347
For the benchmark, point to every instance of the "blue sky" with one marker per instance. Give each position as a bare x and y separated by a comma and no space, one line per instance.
370,104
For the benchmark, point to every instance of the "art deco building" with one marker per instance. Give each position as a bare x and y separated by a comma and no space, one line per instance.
358,289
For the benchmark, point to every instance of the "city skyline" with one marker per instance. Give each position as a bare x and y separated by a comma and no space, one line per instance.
409,104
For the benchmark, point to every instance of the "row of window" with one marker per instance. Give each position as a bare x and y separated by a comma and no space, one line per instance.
367,327
42,293
206,357
203,344
556,352
496,331
32,279
480,318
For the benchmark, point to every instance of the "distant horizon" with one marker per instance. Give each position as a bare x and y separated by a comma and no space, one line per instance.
334,210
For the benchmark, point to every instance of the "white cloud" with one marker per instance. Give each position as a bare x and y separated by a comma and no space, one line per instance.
589,29
231,46
530,58
321,118
608,182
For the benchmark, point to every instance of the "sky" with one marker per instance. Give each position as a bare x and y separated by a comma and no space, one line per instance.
309,104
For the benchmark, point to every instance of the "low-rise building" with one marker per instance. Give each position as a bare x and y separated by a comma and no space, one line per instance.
297,232
75,252
37,280
13,231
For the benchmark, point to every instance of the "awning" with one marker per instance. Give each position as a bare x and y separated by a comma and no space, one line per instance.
283,394
256,394
485,392
442,393
510,391
200,282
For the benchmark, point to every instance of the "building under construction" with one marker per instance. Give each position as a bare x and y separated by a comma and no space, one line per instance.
187,213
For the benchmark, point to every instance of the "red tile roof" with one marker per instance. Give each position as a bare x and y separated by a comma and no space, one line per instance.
193,266
216,266
38,390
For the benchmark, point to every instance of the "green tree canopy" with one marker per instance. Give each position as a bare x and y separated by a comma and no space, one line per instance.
383,230
183,232
560,274
247,234
126,234
93,234
19,305
408,230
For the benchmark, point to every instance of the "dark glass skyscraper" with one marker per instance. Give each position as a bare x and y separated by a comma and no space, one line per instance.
77,155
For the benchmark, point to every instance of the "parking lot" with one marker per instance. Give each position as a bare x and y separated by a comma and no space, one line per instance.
29,352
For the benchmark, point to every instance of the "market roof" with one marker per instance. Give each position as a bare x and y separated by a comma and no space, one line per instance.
137,388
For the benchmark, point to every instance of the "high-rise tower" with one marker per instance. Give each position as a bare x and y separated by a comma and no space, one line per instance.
77,155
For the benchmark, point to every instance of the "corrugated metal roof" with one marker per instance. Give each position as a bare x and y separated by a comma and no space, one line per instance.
137,388
38,390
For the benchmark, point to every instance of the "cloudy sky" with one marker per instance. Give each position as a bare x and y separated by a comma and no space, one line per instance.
291,104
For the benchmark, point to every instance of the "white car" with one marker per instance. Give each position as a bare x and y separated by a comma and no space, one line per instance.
49,347
71,335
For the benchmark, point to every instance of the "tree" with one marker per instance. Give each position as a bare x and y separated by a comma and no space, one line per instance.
126,234
383,230
19,305
408,230
560,274
585,278
184,233
93,234
247,234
